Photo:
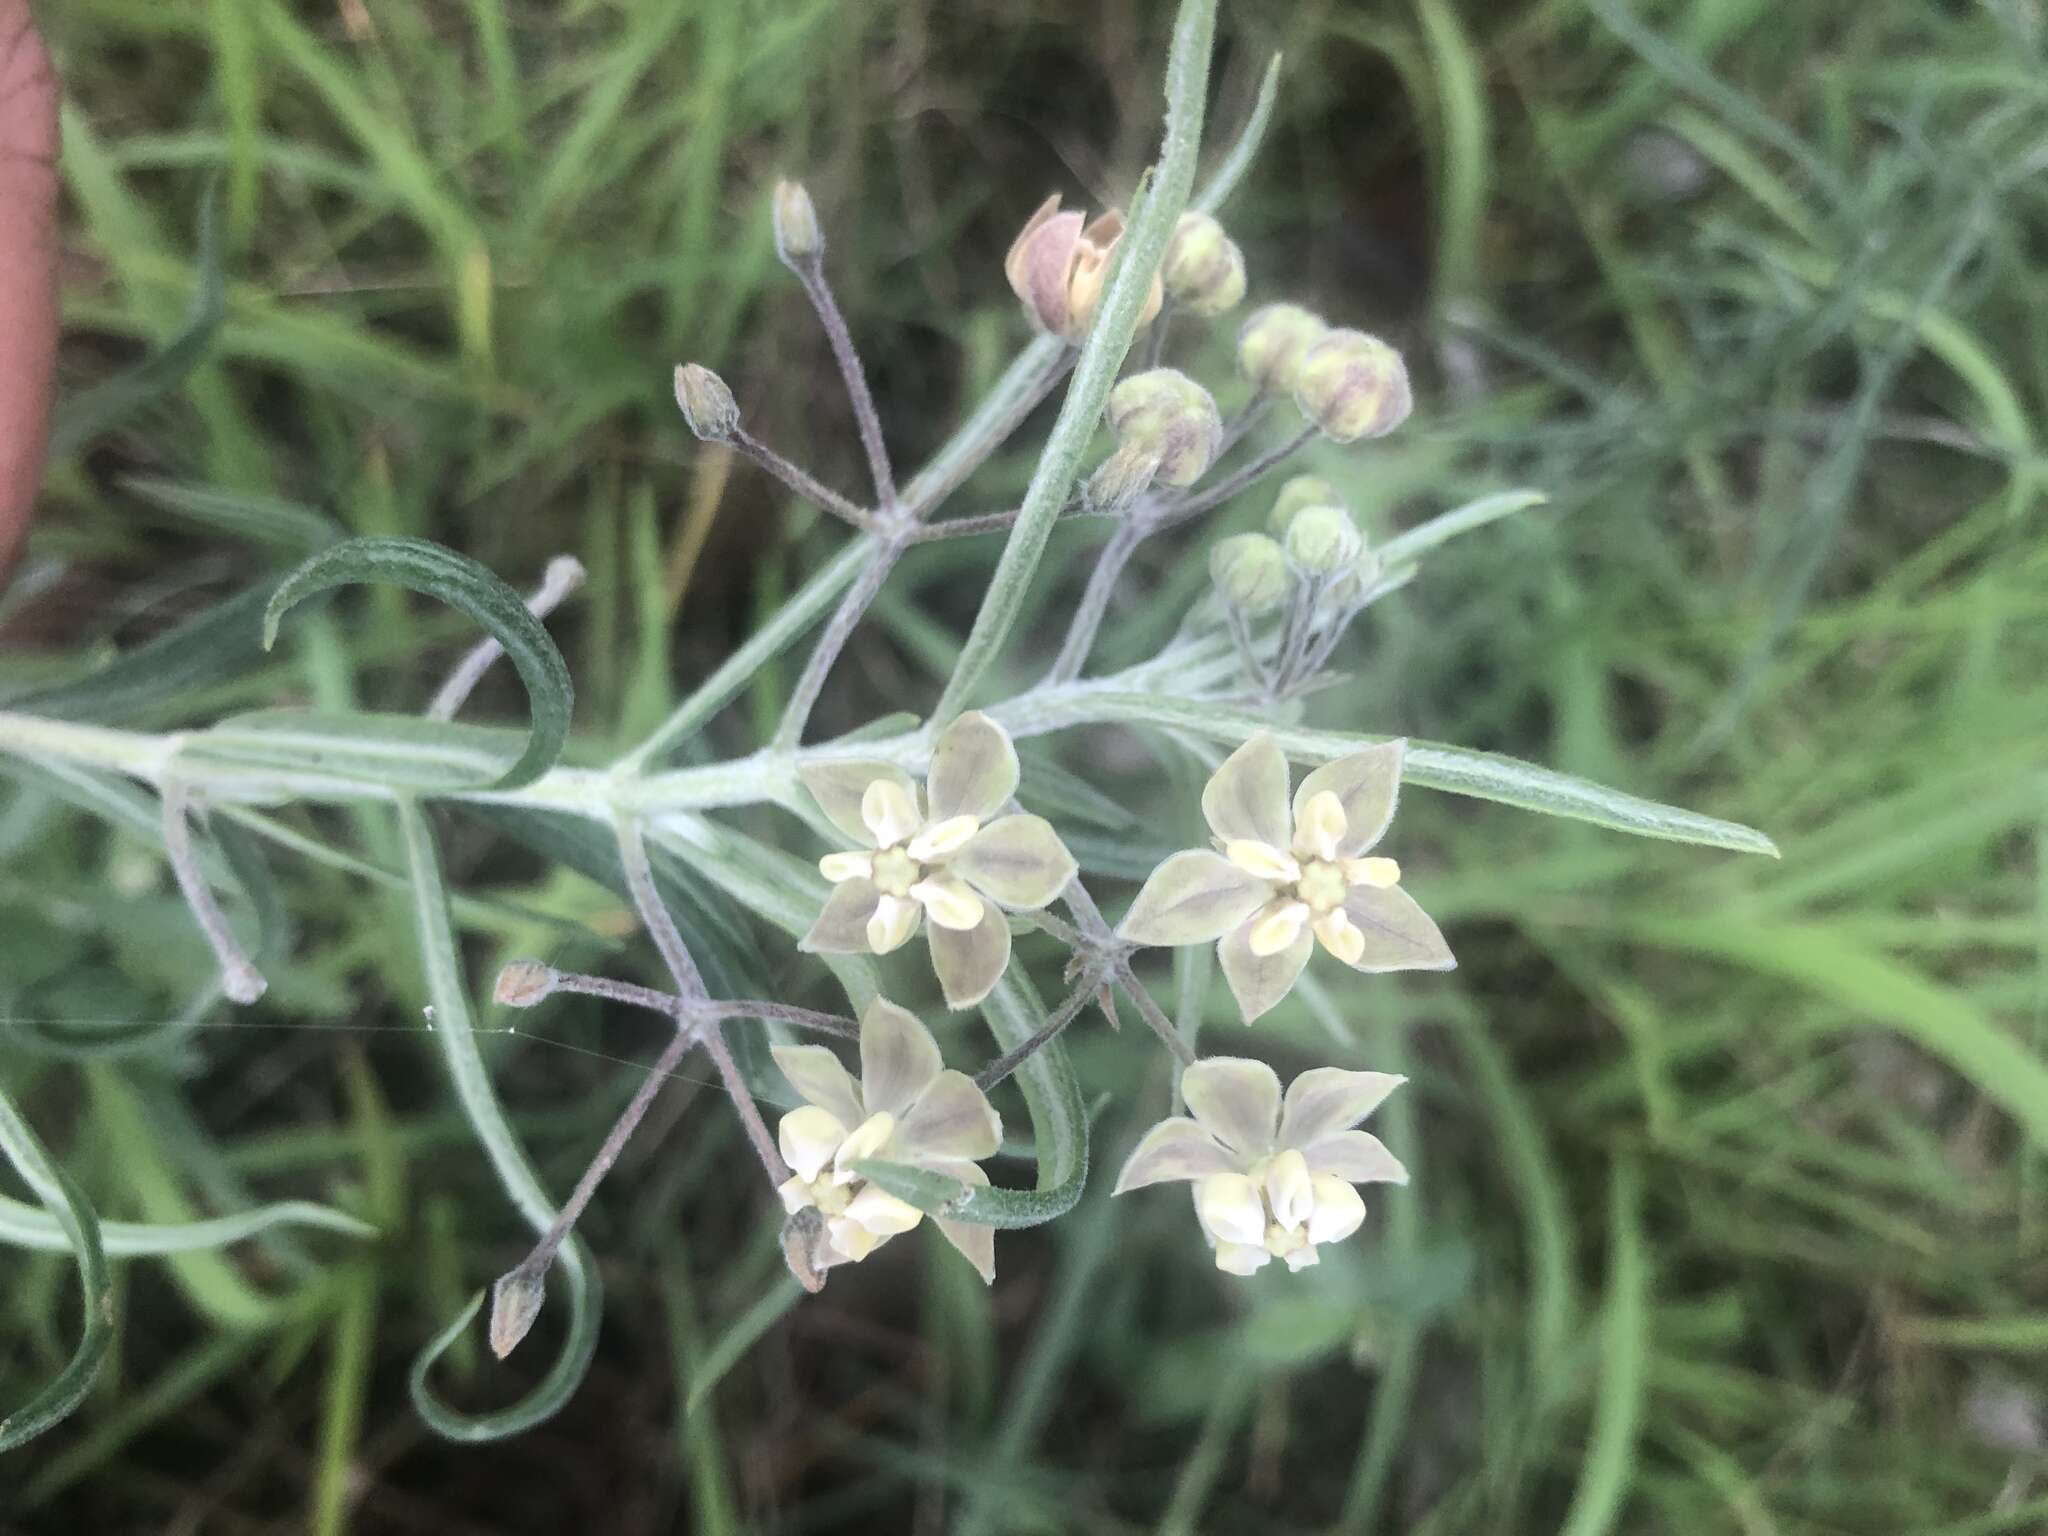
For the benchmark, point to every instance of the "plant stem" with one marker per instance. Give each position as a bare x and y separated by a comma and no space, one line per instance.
801,481
613,990
654,916
562,577
240,979
542,1254
1128,983
838,630
1241,634
811,273
1059,1019
1094,604
1238,479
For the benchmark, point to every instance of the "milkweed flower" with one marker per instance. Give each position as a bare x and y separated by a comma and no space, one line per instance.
1284,878
907,1106
1273,1178
1057,266
944,854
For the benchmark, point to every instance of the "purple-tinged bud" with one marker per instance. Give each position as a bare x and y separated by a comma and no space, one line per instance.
708,406
1352,385
1323,540
1203,270
1164,412
524,983
797,237
1301,491
1272,344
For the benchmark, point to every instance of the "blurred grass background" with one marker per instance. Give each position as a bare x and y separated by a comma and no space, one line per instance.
1728,1211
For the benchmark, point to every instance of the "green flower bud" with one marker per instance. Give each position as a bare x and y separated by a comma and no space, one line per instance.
1352,385
1203,269
797,238
1323,540
708,406
1271,345
1250,572
1301,491
1166,413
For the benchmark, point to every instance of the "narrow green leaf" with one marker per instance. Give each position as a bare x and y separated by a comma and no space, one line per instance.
1607,1466
1224,180
23,1226
1406,548
86,415
80,1225
345,754
1158,208
270,521
460,582
1456,770
455,1031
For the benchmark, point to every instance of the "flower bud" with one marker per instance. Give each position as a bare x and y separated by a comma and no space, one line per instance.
1121,478
515,1302
1301,491
1323,540
1203,269
1352,583
1165,412
1352,385
1057,267
1250,572
708,406
797,238
524,983
1271,345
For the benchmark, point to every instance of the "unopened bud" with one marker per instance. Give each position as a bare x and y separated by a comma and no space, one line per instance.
515,1302
1121,478
1203,269
1301,491
802,1236
1354,581
524,983
1250,572
1164,412
797,237
1272,344
1352,385
1323,540
708,406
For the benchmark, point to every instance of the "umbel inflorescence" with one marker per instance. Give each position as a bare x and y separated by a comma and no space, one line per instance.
934,837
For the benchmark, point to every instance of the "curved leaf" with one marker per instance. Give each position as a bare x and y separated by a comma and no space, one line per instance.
73,1214
455,1031
459,581
23,1226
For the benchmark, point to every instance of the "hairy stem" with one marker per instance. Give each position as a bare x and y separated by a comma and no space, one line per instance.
240,979
810,272
1238,479
838,630
1094,604
1128,983
562,577
613,990
1059,1019
801,481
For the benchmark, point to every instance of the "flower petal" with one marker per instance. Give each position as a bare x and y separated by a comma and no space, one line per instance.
1340,936
1191,898
1176,1148
1018,861
974,769
1288,1191
881,1212
898,1058
1277,927
951,1121
940,838
842,927
889,812
1358,1157
1325,1100
1231,1208
819,1078
1236,1099
892,923
1338,1213
970,962
1247,796
838,784
1368,782
1320,825
1259,860
1258,982
1242,1258
947,901
838,867
975,1241
807,1137
1399,935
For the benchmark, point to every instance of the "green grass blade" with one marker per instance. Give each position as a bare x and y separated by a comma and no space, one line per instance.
24,1226
1609,1465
